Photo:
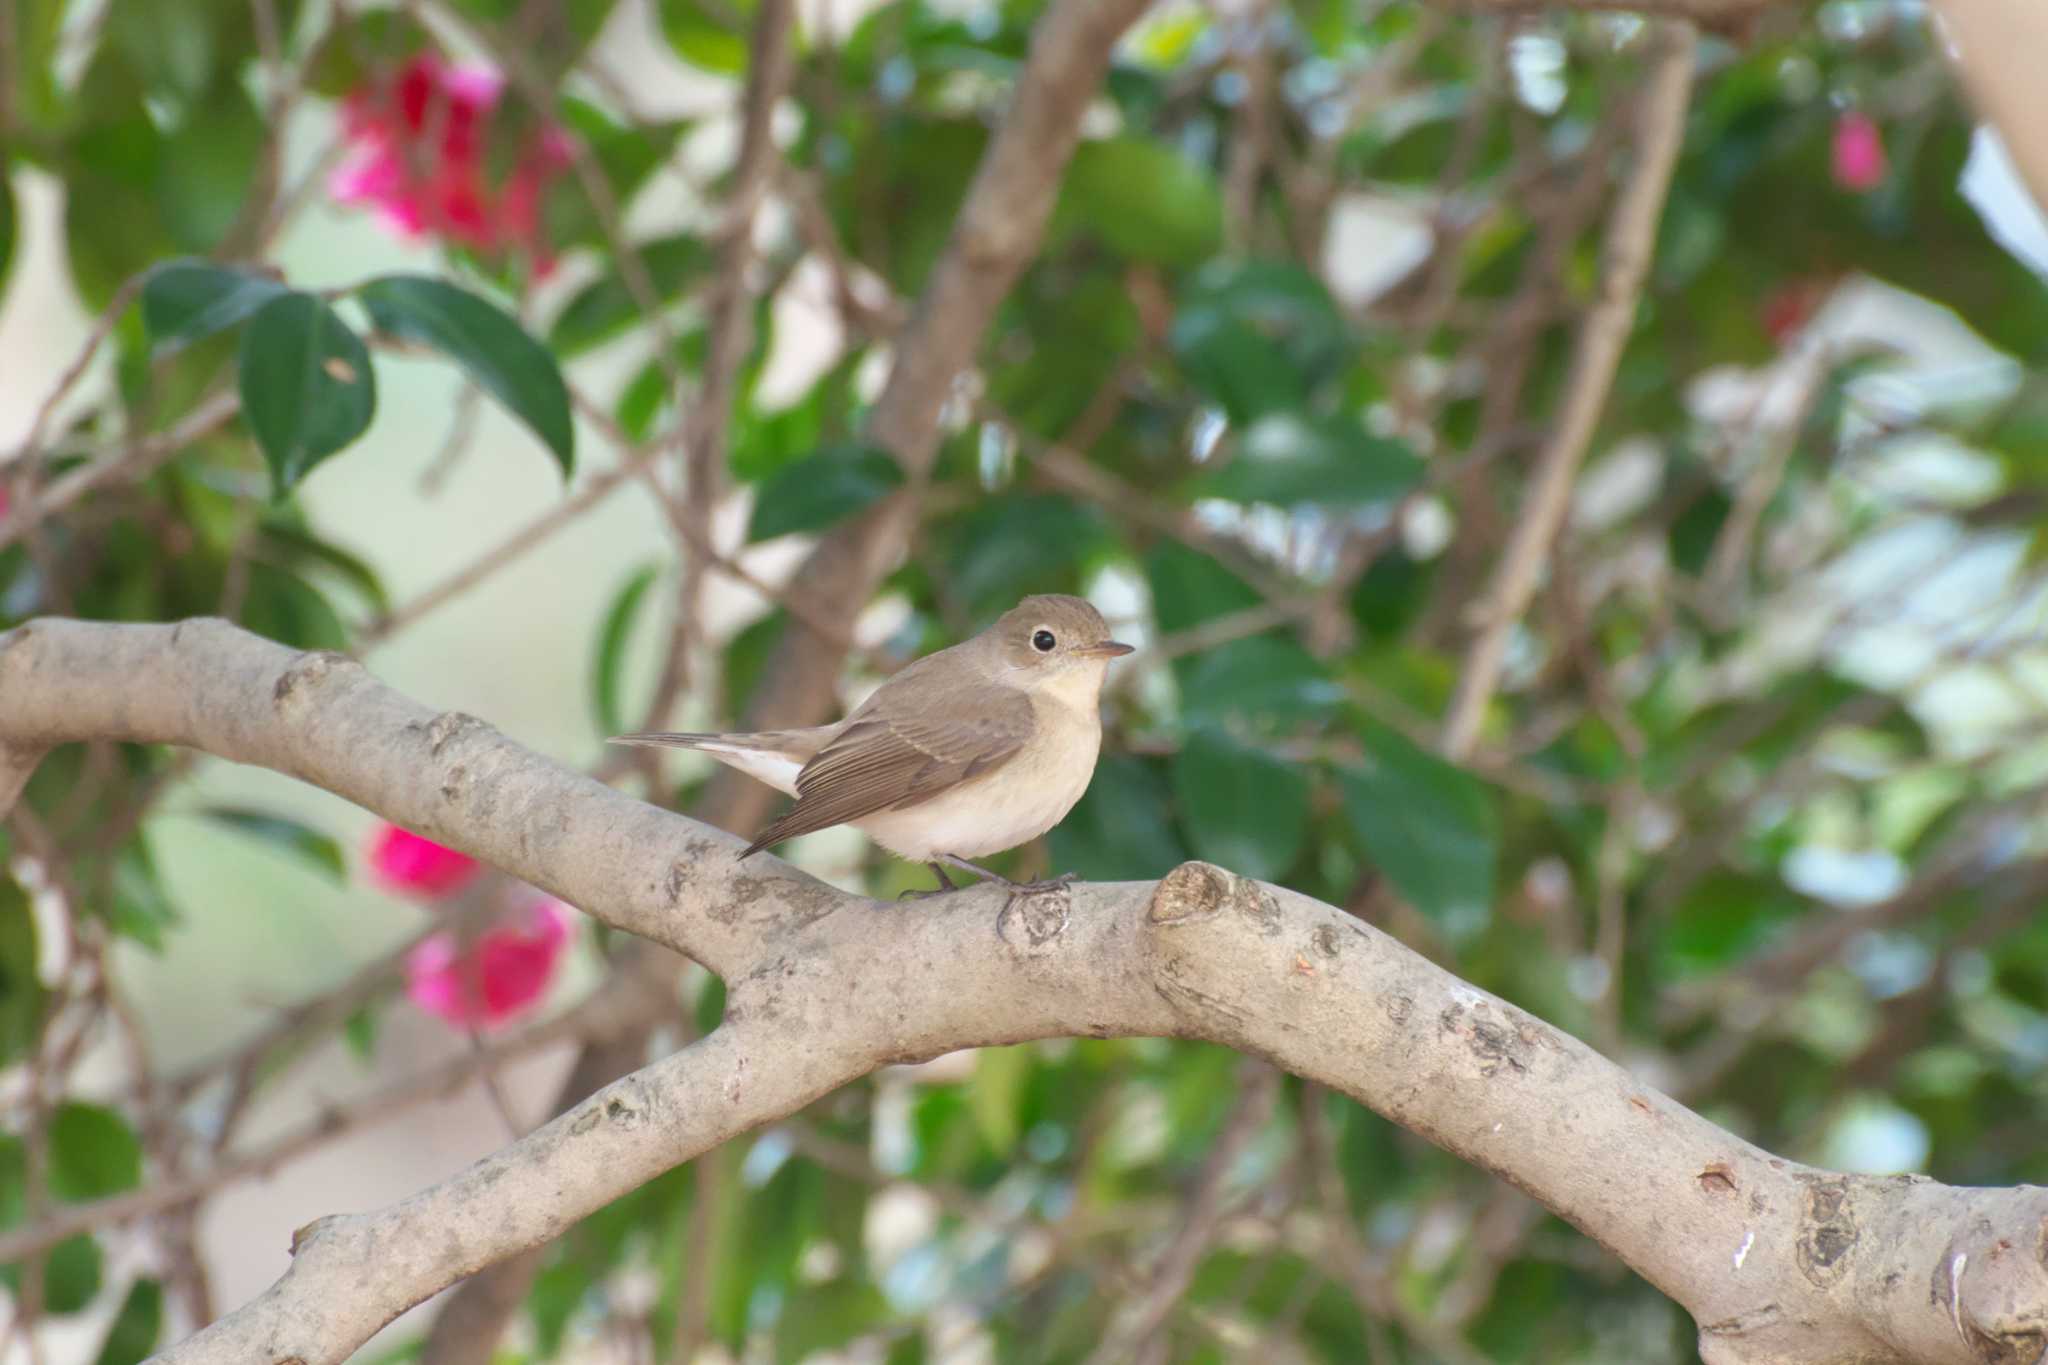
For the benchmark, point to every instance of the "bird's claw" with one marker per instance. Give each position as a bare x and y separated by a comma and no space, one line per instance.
1028,891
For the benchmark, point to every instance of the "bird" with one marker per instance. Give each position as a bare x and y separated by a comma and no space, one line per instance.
966,752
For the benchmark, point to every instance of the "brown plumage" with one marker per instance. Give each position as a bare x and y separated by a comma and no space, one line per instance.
965,752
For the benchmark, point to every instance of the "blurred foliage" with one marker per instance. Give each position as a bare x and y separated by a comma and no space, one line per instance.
1709,826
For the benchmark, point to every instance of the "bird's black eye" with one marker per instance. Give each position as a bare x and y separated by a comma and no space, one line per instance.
1043,642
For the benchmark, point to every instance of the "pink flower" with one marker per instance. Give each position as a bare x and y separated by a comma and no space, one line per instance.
410,865
499,977
417,149
1859,160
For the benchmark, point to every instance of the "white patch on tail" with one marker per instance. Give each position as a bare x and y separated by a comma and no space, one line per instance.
764,765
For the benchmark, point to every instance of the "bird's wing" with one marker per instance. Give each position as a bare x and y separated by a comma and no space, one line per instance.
899,750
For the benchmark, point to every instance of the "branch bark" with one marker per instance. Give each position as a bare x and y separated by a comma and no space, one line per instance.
1778,1262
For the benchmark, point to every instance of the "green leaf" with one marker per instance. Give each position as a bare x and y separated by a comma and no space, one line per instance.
824,489
640,402
1118,831
487,342
173,47
1009,546
1259,683
71,1274
1242,808
362,45
140,908
287,835
1429,825
1287,459
208,166
612,634
288,609
291,541
703,35
1190,587
359,1031
1145,200
307,386
185,300
1258,336
607,306
92,1153
995,1094
21,991
134,1331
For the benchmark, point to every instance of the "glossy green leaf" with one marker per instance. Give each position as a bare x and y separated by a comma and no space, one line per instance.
21,991
71,1274
608,306
322,852
1428,825
1291,460
708,34
1242,808
1190,587
1145,200
92,1153
1119,830
306,382
183,301
1262,683
1007,547
133,1333
1258,336
291,542
825,489
113,226
608,662
285,607
487,342
174,47
209,165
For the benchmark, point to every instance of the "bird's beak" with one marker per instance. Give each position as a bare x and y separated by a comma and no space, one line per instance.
1108,649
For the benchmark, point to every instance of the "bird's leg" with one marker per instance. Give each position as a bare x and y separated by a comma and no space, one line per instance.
1024,889
945,884
1017,888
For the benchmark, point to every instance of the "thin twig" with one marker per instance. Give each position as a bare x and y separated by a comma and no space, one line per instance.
1631,239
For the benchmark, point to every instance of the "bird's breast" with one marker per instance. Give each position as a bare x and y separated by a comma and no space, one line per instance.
1012,805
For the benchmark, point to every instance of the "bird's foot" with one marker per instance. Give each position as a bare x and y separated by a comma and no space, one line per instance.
1048,907
915,895
1042,886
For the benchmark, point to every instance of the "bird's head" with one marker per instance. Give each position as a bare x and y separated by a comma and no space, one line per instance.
1053,640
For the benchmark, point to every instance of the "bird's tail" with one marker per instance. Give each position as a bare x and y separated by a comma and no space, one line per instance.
771,756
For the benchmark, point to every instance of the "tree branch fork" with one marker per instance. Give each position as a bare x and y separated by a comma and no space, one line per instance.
1776,1261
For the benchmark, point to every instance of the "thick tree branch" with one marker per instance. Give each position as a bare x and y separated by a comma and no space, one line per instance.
1778,1262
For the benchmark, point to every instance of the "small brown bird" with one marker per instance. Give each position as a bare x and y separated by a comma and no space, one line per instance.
967,752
